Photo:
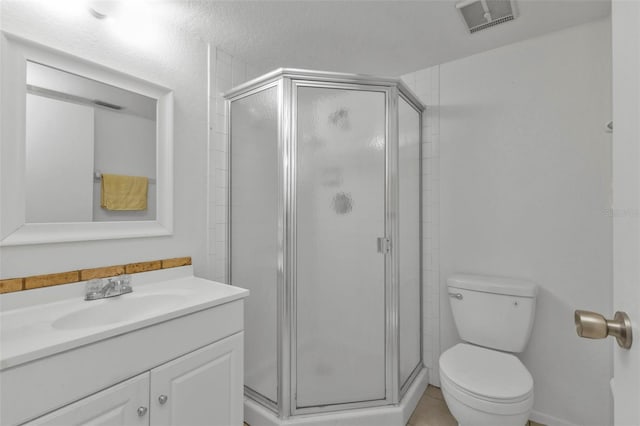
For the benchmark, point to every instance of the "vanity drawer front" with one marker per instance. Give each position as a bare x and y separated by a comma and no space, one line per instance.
39,387
117,405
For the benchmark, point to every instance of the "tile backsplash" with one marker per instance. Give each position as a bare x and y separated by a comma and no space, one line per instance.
37,281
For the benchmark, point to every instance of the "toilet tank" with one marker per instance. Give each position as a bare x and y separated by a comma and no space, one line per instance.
495,312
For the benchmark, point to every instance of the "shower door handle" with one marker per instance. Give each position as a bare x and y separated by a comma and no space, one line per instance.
384,245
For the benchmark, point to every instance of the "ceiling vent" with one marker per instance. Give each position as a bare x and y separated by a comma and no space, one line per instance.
481,14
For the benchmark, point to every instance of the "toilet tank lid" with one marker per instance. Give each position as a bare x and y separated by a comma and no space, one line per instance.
497,285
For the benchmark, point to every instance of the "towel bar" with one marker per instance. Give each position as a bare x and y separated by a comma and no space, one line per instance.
97,177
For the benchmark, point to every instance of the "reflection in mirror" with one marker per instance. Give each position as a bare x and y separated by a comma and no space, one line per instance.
78,129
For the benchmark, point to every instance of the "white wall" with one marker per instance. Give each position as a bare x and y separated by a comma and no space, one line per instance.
526,191
175,59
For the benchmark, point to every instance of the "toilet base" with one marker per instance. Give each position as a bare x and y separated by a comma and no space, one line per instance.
468,416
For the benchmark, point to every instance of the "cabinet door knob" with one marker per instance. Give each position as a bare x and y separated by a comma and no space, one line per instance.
162,399
142,411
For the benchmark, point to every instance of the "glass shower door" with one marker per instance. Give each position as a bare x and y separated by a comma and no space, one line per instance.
340,275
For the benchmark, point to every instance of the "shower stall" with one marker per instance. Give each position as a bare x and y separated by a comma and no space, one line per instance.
325,231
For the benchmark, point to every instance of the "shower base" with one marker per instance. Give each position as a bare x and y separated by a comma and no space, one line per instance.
386,415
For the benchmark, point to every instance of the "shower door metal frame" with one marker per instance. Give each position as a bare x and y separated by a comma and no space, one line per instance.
287,81
404,386
286,314
391,314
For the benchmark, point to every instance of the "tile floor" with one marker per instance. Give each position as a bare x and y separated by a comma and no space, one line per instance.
432,411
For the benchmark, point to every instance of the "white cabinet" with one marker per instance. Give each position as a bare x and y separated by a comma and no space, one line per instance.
115,406
203,387
200,388
34,389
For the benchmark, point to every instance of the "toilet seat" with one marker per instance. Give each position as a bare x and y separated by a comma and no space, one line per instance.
487,380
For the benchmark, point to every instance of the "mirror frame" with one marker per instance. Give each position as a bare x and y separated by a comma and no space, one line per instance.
14,230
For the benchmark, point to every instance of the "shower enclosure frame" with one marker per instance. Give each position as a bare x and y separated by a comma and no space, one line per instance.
287,82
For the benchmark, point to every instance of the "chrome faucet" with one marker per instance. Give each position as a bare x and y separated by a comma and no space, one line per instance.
115,286
108,288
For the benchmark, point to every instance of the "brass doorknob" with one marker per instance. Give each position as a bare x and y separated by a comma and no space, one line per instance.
592,325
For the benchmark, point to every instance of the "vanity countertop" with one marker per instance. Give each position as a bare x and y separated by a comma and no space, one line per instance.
39,323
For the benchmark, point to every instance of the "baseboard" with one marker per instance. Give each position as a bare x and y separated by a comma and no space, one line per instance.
548,420
434,379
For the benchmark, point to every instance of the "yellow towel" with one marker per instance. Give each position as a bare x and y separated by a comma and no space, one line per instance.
123,192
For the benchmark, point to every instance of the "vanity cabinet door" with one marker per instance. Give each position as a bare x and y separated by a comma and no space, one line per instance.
125,404
204,387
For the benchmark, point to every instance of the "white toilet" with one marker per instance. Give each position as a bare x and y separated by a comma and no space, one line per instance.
482,382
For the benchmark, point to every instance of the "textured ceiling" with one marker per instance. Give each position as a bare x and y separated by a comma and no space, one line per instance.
381,37
387,38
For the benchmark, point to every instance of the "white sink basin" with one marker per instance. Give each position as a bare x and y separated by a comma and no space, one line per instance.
117,309
38,323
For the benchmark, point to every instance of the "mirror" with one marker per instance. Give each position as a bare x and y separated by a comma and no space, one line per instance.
74,134
76,130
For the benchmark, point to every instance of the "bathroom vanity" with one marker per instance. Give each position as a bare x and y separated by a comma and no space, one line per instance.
170,353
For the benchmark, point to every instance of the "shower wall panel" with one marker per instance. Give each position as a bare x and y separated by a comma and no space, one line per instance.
254,238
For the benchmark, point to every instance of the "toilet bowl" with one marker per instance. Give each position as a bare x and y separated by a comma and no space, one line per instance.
485,387
482,382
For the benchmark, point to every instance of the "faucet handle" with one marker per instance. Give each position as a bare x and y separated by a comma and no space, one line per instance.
93,289
124,282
